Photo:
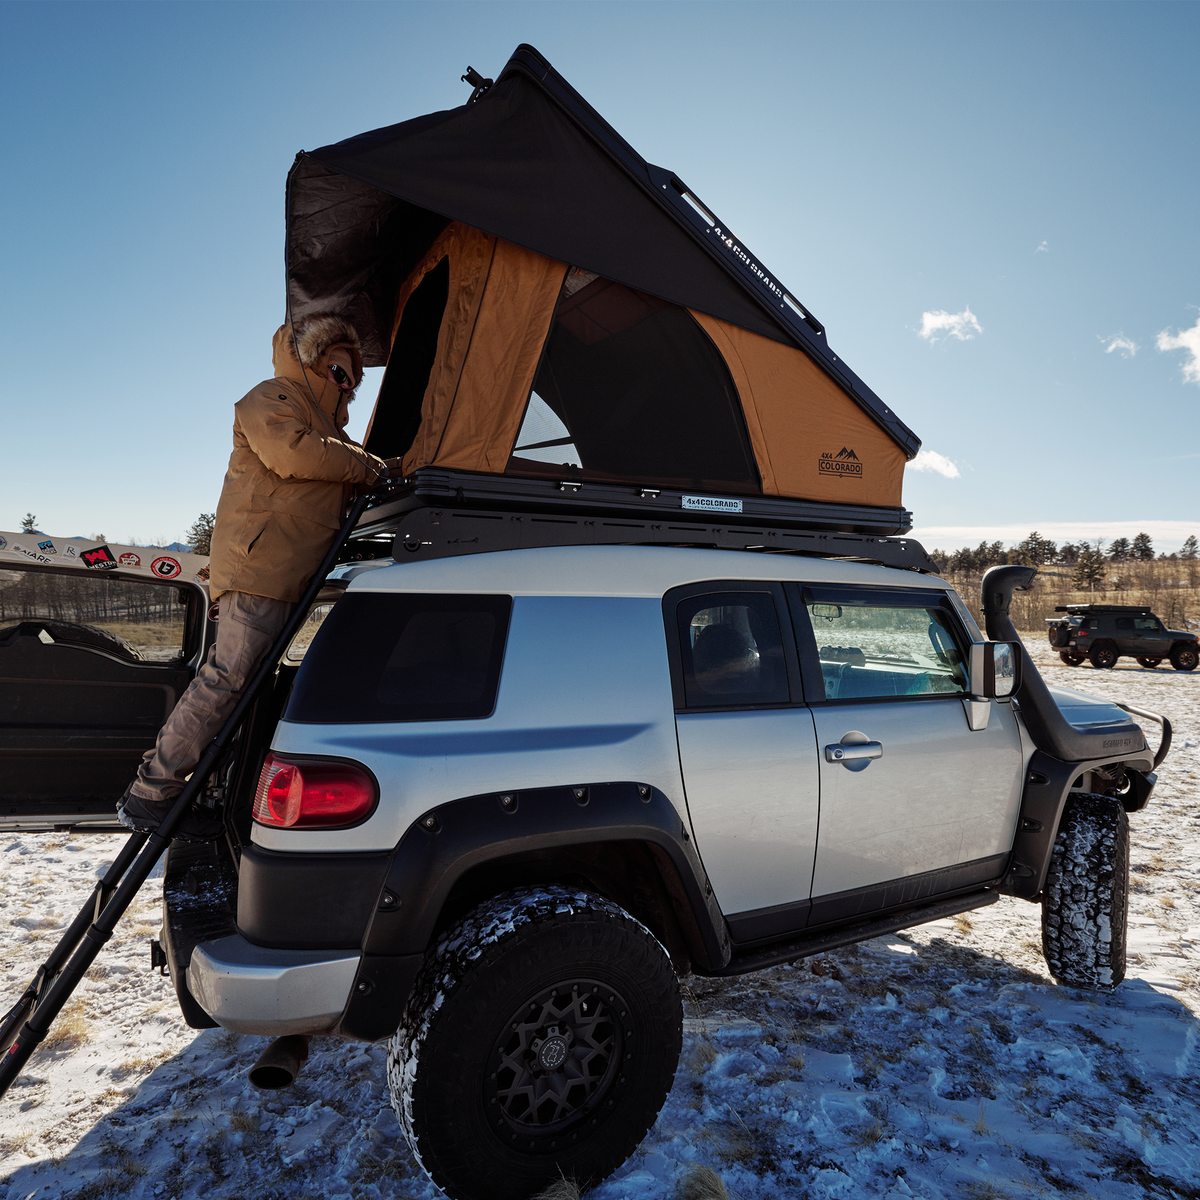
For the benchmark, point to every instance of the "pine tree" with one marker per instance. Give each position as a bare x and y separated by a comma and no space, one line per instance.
1188,553
1119,551
1143,548
1034,551
200,534
28,521
1089,568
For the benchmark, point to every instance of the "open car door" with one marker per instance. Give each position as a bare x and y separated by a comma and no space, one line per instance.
97,644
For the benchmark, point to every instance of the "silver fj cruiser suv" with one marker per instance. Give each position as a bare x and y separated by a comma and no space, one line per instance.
511,797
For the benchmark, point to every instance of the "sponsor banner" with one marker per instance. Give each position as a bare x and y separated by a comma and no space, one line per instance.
717,504
85,554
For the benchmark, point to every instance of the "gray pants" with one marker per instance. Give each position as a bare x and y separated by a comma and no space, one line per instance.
245,631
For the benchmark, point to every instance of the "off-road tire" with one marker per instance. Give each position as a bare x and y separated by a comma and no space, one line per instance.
1184,658
1149,663
460,1063
1085,905
1072,660
1104,656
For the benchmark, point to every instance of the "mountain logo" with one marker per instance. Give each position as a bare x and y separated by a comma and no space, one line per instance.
845,463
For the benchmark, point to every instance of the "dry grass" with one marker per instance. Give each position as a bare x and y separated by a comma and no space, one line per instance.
869,1135
703,1054
240,1122
701,1183
561,1189
71,1029
964,924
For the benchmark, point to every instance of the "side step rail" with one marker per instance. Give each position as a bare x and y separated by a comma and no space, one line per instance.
29,1020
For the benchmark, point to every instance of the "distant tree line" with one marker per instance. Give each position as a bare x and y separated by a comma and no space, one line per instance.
85,597
1089,562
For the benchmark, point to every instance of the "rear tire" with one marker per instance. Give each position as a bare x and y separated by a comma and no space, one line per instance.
540,1040
1085,906
1184,658
1103,656
1150,663
1072,660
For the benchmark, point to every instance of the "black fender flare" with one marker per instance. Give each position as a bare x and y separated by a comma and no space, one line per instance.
446,842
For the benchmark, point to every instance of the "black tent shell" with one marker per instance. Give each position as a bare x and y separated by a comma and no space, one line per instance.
529,161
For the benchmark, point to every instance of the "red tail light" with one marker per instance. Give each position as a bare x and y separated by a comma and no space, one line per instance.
313,793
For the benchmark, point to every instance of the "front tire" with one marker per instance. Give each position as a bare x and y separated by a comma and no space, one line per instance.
1104,656
1072,660
1085,907
540,1040
1184,658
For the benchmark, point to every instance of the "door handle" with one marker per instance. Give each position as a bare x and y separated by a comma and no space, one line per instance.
854,751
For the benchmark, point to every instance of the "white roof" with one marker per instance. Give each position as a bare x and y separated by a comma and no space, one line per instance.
619,571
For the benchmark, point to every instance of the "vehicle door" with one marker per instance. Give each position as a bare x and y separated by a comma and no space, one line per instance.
914,803
747,749
92,661
1128,641
1150,637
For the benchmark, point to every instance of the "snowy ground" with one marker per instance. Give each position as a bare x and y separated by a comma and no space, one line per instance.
938,1063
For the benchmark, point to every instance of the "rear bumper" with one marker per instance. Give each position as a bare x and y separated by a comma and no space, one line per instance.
270,993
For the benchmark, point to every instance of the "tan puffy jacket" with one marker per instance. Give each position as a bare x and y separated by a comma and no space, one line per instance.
290,477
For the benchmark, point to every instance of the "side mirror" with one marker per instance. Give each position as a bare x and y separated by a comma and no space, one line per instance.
995,669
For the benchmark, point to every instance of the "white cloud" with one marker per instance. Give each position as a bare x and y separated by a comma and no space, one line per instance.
931,460
1166,535
1127,346
1044,248
1188,340
955,325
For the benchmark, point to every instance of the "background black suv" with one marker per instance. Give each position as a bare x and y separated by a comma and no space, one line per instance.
1103,633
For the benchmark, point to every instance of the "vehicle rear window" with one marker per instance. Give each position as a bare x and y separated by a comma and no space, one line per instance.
402,657
732,650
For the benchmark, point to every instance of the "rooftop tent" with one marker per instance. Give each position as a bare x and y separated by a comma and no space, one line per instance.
548,302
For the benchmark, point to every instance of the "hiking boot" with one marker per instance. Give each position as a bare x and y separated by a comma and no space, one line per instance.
144,816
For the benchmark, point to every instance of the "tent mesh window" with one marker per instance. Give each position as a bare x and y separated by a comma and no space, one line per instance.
631,388
398,408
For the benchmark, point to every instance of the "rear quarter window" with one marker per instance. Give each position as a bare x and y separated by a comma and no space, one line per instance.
400,657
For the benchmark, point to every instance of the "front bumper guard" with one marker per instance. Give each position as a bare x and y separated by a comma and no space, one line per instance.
269,993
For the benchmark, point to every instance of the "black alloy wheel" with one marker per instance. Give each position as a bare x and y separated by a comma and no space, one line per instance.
1184,658
1103,656
1072,660
556,1060
1150,663
540,1041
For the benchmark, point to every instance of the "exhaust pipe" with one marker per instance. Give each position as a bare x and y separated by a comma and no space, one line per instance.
280,1062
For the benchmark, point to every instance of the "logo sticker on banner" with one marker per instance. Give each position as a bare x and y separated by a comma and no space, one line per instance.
47,547
165,567
99,557
129,560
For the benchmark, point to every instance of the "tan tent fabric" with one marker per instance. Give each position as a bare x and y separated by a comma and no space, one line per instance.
501,300
811,440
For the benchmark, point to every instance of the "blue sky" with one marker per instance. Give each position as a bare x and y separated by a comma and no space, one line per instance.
1017,182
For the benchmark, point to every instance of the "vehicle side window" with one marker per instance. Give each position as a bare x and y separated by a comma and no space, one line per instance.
403,657
1125,624
1147,624
887,650
129,619
732,650
1089,623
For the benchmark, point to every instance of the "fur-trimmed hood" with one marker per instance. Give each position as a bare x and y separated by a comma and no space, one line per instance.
317,337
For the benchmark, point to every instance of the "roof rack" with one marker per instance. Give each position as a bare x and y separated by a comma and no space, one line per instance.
441,513
1138,609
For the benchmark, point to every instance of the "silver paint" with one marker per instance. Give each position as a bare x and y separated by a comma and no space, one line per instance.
941,794
751,780
255,990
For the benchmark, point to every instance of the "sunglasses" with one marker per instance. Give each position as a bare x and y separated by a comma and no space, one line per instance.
341,377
